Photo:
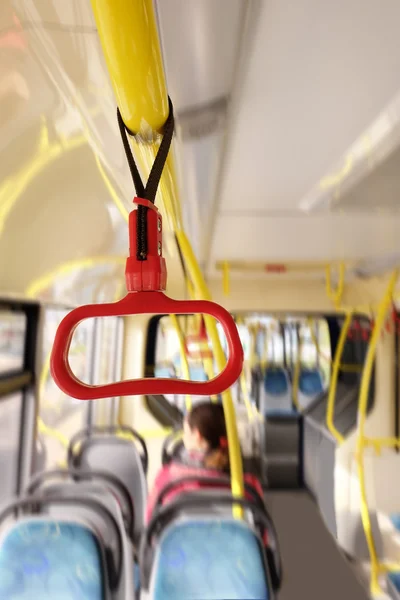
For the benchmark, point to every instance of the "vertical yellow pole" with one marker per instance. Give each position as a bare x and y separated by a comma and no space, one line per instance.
296,374
184,360
330,411
361,438
226,281
337,295
235,457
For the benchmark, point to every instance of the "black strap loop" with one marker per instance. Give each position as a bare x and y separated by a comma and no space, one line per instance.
149,191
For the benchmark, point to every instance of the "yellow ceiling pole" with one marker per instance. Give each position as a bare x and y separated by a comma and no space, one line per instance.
65,268
335,295
184,360
362,440
226,278
296,374
129,38
202,291
330,410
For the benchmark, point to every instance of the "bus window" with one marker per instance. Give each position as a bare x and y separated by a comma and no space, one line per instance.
10,425
12,341
57,410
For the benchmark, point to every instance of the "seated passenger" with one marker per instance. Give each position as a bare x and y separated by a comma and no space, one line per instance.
205,453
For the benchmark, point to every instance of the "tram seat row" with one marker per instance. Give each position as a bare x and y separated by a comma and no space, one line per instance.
76,538
69,543
276,390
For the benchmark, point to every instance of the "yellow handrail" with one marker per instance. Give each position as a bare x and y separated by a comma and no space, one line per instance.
129,38
296,375
184,360
337,295
363,441
12,188
226,280
42,282
49,431
235,457
330,410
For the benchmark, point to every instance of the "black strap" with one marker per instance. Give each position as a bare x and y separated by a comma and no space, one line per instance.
149,191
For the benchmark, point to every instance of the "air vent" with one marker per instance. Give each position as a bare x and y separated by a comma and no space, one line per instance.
202,121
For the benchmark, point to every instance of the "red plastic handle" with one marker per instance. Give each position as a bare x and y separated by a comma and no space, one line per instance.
139,303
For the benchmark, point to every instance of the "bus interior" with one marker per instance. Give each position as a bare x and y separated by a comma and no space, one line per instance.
198,203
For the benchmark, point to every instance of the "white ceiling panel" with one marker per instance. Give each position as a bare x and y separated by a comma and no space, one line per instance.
318,75
297,238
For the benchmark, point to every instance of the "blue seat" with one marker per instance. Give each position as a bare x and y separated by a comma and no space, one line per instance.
209,560
276,394
276,382
395,579
310,382
44,560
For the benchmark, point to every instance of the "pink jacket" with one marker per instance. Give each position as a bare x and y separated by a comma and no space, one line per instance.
177,470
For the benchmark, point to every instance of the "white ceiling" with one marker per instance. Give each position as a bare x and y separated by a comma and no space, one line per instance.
304,80
305,238
270,97
319,73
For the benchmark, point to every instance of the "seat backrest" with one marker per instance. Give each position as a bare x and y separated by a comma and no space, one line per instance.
45,558
276,391
121,458
179,471
81,513
209,558
310,386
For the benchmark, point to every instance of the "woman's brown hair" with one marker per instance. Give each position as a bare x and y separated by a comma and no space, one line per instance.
208,418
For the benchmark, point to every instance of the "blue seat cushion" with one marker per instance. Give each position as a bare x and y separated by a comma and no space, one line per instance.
275,382
42,560
209,560
310,382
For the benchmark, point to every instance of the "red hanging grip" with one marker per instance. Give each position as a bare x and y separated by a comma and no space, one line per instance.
145,281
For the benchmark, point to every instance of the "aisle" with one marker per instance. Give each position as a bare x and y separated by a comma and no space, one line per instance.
313,567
